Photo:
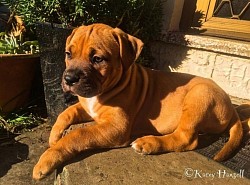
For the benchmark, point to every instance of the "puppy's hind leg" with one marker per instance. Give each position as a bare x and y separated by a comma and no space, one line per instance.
185,137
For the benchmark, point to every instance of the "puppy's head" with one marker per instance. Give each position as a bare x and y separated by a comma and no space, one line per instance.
97,56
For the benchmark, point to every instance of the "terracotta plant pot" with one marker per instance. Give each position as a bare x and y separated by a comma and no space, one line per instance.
16,76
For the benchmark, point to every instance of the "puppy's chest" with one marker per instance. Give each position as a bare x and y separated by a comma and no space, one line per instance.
90,106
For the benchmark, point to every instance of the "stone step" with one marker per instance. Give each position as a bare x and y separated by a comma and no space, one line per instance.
124,166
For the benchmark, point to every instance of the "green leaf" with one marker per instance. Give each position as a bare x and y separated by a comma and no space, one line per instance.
2,34
28,43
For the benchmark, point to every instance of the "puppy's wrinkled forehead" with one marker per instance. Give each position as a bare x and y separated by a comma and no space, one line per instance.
96,36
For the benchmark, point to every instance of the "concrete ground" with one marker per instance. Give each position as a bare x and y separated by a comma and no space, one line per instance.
116,166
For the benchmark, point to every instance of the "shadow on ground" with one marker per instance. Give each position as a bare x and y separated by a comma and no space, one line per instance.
19,155
12,153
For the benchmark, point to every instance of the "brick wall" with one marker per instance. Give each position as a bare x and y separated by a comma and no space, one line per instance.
230,71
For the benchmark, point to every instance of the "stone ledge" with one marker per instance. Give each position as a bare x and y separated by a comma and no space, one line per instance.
124,166
215,44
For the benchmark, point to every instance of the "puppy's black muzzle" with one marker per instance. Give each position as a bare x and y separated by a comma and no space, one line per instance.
71,77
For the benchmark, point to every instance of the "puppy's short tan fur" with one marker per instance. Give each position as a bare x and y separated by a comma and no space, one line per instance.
166,111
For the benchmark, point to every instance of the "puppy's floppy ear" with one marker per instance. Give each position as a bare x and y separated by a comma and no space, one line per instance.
130,47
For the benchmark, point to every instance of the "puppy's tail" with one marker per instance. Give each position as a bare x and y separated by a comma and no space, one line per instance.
234,141
243,111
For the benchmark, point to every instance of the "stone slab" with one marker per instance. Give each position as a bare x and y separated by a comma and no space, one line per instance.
124,166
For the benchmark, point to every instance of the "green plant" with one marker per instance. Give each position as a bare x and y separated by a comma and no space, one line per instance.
141,18
140,14
13,40
10,44
16,123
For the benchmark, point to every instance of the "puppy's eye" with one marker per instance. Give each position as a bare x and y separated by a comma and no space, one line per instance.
96,59
68,54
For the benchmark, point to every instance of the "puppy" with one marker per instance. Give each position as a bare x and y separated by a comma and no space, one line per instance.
165,111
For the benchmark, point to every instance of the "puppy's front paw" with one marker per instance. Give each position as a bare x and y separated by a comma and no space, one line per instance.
46,164
40,171
146,145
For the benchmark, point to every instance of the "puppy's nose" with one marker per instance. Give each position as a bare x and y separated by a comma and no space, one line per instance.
71,78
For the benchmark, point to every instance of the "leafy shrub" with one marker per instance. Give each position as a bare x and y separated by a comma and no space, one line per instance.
141,18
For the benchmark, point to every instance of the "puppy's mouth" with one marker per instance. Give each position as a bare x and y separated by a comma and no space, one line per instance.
80,84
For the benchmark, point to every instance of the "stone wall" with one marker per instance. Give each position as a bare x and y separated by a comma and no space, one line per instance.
227,62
